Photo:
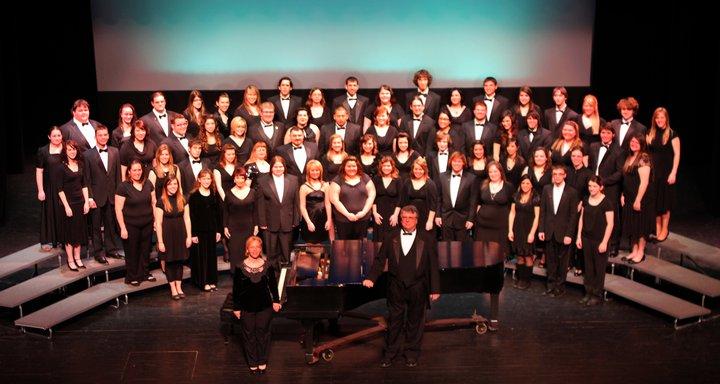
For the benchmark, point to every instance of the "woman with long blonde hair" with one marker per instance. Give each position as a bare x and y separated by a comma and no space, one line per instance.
664,147
173,229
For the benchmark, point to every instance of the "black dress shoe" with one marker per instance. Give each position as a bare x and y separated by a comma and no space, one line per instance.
135,283
384,363
594,301
150,277
613,252
115,255
584,300
101,259
548,292
411,362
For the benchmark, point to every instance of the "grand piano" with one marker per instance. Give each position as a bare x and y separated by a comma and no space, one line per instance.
325,283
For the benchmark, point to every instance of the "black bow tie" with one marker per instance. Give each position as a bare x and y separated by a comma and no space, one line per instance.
489,99
560,110
531,131
195,161
407,233
300,147
627,122
162,116
416,119
102,150
442,153
284,98
267,125
422,94
84,124
339,128
480,125
454,175
181,137
606,146
352,98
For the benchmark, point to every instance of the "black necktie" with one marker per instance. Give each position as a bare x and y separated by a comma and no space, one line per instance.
196,161
84,124
297,147
162,116
407,233
102,150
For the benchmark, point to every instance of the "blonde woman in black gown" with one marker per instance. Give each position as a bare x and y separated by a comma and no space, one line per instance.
172,226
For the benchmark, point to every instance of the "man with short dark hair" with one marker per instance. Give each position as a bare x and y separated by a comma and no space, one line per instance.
266,129
80,128
298,152
418,125
350,132
158,120
286,105
431,100
178,140
496,104
414,278
354,103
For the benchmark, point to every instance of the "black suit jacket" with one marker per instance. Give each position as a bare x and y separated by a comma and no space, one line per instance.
611,167
489,136
433,168
295,103
277,216
556,126
432,103
426,259
353,133
178,151
635,128
154,129
541,138
102,183
564,222
424,132
465,203
286,151
257,134
70,131
357,114
500,104
187,174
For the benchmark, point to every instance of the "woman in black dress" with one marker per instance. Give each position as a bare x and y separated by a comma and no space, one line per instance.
257,165
314,205
249,110
137,147
456,111
477,163
73,194
239,216
302,121
352,194
49,157
524,106
404,156
212,140
369,154
491,228
664,148
594,230
223,171
512,161
523,224
134,202
385,99
238,139
164,167
638,210
334,158
420,191
387,197
255,298
126,122
540,171
384,132
319,113
172,226
221,115
207,224
589,121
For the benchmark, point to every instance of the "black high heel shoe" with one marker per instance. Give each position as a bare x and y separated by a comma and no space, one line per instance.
631,261
80,264
74,269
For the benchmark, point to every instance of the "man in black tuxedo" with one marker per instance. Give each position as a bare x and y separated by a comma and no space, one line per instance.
414,277
267,130
102,176
286,105
350,132
158,120
533,136
627,126
606,160
457,204
479,129
298,152
496,104
418,125
431,100
557,226
179,139
556,116
191,167
353,102
80,128
278,211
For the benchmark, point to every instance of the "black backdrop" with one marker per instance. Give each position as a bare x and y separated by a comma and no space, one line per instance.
664,55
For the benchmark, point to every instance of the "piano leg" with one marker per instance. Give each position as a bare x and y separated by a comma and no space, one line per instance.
309,340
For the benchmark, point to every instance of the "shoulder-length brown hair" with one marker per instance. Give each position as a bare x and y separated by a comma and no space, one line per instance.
394,174
225,148
179,198
203,135
190,110
158,166
357,163
208,173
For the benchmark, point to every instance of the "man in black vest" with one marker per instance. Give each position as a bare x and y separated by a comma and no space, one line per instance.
102,176
414,278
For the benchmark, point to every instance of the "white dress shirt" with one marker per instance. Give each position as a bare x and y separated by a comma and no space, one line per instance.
300,156
162,118
416,125
351,100
183,141
557,195
406,241
490,102
196,166
88,132
285,105
558,114
103,156
279,185
454,186
442,161
479,128
624,128
601,156
269,129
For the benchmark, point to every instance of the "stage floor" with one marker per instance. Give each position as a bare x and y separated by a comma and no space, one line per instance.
156,339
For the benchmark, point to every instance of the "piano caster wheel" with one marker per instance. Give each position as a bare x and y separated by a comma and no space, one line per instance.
481,328
310,359
328,354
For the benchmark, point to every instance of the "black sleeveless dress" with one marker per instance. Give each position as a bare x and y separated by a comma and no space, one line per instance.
315,206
